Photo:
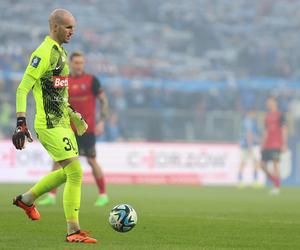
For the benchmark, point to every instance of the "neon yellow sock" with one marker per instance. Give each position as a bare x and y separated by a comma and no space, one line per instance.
72,191
47,183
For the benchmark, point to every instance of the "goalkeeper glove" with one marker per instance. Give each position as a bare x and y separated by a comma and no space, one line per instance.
78,121
20,133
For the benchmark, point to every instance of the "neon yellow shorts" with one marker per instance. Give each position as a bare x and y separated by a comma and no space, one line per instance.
59,142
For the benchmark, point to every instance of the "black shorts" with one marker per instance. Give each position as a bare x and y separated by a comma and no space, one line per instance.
270,155
87,144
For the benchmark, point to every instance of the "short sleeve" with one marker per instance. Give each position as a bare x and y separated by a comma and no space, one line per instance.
38,65
96,86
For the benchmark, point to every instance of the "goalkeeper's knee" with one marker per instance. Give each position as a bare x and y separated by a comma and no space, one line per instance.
74,172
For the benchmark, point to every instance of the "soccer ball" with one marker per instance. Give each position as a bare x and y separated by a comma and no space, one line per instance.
122,218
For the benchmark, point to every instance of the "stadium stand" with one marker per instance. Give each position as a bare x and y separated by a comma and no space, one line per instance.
171,41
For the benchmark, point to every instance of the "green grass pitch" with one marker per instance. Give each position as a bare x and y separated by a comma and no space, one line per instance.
170,217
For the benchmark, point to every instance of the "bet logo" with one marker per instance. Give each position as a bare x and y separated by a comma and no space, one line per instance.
60,81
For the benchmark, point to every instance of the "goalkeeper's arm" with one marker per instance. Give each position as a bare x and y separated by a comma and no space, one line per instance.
21,130
21,94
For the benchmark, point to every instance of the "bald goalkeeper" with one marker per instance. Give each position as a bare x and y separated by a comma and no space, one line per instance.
47,75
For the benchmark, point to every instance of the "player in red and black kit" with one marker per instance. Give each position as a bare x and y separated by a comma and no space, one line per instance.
274,142
84,90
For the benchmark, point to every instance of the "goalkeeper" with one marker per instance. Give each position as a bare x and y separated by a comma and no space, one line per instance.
47,75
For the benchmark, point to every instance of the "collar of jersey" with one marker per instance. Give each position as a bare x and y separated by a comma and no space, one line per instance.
49,39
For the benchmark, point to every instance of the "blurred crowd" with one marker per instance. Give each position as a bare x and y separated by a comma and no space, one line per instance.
194,39
140,112
205,40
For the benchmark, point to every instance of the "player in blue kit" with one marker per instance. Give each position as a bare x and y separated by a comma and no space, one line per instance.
249,141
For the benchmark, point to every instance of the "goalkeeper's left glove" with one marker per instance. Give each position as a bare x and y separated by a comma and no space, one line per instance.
78,121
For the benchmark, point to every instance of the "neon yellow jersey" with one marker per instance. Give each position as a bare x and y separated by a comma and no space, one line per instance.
48,71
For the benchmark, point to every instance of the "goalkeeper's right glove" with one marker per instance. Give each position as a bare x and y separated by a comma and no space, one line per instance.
78,121
20,133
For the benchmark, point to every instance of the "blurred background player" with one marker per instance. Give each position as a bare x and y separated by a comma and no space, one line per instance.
249,142
274,142
84,89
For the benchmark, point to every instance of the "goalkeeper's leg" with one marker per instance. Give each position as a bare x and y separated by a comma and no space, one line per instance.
50,198
72,194
71,173
26,200
71,200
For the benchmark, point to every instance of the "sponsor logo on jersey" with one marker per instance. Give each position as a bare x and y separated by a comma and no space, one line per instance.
60,81
35,61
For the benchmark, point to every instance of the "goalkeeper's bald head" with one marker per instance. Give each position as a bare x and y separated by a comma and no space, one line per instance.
61,24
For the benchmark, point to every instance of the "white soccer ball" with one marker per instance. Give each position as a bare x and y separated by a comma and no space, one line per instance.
122,218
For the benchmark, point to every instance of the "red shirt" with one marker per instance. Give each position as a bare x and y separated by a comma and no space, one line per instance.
83,92
273,125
